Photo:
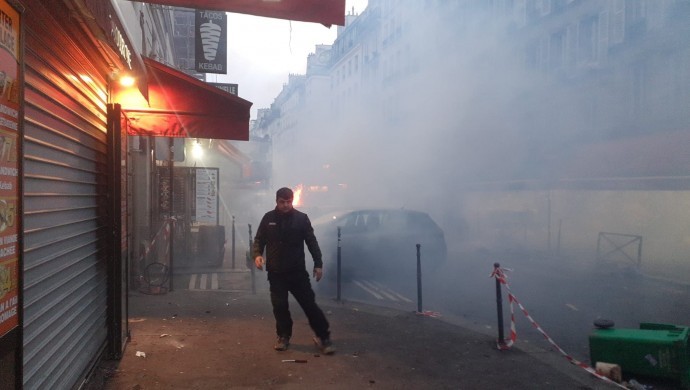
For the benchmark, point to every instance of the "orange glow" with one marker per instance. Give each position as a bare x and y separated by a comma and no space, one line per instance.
297,198
127,81
124,91
129,97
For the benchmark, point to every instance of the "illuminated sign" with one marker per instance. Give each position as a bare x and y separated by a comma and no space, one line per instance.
121,45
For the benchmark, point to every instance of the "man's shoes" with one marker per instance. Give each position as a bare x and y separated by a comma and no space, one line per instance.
282,344
326,347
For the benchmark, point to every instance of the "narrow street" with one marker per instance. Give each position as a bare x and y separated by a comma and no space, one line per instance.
562,296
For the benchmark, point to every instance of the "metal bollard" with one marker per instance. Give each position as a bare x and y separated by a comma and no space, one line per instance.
233,242
419,278
171,236
251,261
337,283
499,306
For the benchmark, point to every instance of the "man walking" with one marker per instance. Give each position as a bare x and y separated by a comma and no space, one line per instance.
283,233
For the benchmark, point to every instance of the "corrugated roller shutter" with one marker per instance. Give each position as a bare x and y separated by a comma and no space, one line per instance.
65,195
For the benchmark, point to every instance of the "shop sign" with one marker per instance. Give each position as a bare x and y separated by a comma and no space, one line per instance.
229,88
211,41
121,45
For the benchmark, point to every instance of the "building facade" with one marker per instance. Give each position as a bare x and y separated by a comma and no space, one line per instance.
65,282
513,107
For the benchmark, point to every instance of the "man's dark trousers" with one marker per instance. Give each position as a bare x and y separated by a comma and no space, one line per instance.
297,283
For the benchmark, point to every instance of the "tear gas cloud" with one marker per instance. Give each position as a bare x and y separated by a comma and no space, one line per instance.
454,105
461,101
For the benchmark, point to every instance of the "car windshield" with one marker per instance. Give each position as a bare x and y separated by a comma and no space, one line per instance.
328,217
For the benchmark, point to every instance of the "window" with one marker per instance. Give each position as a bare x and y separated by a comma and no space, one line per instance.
557,50
570,46
541,54
639,89
603,32
520,11
638,10
531,56
587,41
618,22
543,7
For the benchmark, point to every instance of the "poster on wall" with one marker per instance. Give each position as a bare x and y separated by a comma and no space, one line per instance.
10,84
206,195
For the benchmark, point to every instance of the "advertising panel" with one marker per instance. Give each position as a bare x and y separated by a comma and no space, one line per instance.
207,196
10,84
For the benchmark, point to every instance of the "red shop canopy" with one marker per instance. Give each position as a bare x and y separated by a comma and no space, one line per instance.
326,12
181,106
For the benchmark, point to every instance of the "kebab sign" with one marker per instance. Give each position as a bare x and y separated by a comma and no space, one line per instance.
211,41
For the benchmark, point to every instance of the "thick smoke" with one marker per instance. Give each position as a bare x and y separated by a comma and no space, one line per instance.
457,105
452,105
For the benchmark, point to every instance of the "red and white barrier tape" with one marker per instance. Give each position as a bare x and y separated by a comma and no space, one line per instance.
499,274
166,234
165,229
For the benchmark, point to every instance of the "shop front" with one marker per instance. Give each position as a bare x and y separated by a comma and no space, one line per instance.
65,179
69,259
65,257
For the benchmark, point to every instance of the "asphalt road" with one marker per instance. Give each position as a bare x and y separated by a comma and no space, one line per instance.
563,297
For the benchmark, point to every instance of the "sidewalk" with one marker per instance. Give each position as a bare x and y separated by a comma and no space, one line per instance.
223,340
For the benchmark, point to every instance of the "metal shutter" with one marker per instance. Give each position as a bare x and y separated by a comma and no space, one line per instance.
65,199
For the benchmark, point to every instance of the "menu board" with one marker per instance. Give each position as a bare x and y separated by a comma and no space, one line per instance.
10,84
207,195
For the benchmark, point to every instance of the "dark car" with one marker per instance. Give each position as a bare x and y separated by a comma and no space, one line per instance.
379,243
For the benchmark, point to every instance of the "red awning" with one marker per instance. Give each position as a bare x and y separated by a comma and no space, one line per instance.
233,154
182,106
326,12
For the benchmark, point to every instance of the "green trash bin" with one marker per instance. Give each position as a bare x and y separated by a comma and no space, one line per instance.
654,350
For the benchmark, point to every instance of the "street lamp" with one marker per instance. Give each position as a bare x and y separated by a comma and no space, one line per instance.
126,80
197,150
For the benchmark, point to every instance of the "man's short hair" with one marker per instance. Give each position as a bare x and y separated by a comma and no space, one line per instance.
284,193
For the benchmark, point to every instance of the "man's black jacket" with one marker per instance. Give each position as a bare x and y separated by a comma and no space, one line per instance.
283,235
